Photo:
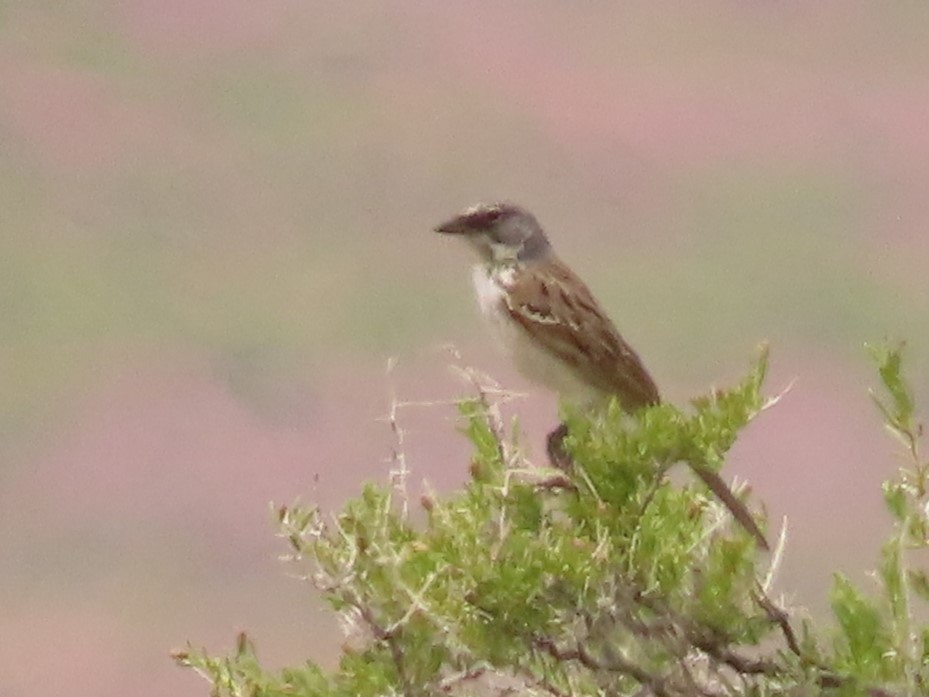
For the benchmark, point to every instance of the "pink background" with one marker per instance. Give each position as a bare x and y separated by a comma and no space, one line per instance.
216,230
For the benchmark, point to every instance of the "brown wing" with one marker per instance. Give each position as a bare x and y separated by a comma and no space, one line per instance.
572,325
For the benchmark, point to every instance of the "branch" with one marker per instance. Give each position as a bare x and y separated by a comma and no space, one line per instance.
617,665
389,637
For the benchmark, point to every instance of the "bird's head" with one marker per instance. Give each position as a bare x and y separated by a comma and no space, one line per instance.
500,232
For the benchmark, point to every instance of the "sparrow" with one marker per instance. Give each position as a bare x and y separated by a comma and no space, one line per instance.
555,331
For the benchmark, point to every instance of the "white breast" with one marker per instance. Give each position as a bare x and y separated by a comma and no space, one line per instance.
532,360
490,289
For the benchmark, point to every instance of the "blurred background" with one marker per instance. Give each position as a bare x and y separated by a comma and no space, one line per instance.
215,231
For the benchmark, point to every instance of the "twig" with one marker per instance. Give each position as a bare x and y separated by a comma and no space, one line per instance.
389,638
616,665
780,617
448,683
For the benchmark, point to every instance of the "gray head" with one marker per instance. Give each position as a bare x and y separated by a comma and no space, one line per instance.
500,232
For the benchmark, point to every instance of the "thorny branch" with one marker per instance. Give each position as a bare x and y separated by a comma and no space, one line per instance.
391,639
779,616
616,665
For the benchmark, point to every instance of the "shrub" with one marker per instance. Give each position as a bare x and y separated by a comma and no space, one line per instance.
605,581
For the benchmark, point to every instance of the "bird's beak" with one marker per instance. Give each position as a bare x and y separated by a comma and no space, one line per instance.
454,226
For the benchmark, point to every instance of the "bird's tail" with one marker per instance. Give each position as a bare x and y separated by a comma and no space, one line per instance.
735,506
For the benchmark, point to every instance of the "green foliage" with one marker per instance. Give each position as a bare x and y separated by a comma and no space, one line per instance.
879,640
605,580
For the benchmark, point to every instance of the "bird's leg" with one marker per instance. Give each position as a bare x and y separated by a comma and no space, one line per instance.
557,453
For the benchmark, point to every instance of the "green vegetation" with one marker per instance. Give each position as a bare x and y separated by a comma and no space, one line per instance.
607,581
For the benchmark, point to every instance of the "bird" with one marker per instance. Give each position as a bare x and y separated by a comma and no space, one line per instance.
555,330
